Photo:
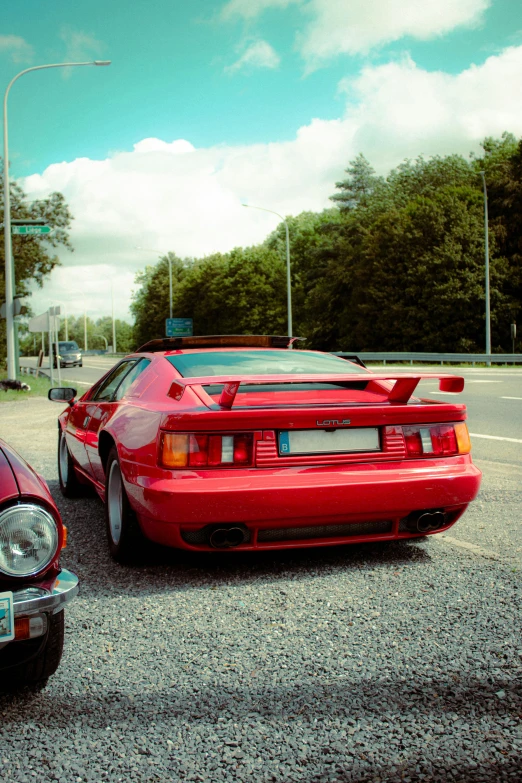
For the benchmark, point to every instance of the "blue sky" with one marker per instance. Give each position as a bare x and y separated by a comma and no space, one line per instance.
207,104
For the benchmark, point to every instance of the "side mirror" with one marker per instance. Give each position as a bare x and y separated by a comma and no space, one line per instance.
65,394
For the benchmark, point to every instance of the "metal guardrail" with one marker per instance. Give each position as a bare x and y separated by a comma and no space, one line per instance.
435,358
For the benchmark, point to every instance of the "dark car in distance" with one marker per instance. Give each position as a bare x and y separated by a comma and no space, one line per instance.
69,354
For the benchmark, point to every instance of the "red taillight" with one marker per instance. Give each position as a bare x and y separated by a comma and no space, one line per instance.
242,450
444,440
436,440
197,450
413,441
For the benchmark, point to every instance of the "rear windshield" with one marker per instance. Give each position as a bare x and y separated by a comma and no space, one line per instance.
267,362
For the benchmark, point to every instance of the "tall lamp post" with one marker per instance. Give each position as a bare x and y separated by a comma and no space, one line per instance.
288,278
9,266
486,256
152,250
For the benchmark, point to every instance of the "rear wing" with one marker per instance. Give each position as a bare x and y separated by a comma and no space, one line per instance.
403,387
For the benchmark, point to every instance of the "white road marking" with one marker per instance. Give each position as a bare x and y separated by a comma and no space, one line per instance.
495,437
511,398
476,380
79,383
474,548
434,391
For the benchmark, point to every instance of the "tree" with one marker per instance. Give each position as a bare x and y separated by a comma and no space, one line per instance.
33,256
150,302
359,187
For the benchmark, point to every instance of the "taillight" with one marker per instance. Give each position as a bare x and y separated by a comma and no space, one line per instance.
436,440
202,450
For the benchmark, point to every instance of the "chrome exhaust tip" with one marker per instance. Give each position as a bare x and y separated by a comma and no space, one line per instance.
226,537
430,521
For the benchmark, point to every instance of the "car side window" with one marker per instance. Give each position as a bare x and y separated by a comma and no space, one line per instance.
131,376
111,383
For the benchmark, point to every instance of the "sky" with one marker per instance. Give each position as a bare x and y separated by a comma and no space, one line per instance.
214,103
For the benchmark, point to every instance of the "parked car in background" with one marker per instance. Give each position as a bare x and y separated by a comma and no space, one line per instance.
237,442
33,587
69,354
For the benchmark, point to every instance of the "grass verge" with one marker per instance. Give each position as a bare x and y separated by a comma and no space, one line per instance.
39,388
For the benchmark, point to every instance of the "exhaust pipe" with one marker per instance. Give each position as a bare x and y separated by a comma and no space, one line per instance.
226,537
430,521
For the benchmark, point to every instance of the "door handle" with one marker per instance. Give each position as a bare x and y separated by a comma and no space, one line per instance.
86,421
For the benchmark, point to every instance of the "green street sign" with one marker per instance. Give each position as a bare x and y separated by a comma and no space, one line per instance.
30,230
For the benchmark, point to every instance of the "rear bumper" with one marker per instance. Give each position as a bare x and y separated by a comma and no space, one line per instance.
282,497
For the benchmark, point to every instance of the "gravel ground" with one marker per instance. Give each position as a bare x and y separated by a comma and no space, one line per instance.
365,663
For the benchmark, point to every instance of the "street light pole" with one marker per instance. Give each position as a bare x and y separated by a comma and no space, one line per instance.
486,256
9,266
113,321
288,277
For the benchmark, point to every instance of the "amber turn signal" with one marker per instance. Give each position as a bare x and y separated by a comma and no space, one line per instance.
462,435
174,450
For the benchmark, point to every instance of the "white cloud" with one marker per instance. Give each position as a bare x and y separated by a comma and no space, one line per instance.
334,27
19,50
249,9
171,196
258,55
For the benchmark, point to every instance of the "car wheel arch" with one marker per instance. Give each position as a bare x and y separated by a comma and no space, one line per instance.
105,444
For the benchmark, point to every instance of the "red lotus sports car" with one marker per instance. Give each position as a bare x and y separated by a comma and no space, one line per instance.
238,442
33,588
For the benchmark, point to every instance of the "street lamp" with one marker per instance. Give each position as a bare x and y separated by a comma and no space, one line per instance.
153,250
486,255
288,279
9,267
103,338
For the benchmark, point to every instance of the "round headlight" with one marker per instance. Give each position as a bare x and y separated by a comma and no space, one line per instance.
28,540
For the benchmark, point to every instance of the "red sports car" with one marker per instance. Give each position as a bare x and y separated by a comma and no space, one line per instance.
33,588
239,442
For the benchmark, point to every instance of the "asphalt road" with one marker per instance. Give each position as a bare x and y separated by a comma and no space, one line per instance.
360,664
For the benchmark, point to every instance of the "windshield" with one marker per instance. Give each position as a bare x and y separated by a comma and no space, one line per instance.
70,346
267,362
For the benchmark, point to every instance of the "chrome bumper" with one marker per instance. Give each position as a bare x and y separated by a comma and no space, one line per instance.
46,596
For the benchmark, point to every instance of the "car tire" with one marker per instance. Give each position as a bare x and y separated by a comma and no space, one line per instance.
127,543
80,364
35,672
70,485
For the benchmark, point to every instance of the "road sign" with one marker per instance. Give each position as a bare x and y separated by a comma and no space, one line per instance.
178,327
46,322
31,230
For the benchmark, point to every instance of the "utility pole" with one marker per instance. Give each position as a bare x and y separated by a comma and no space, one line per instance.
486,259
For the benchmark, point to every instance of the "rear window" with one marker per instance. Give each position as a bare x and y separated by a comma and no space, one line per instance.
268,362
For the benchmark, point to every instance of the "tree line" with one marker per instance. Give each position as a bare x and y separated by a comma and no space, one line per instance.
397,263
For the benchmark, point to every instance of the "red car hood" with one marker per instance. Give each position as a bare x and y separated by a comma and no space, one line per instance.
17,478
8,485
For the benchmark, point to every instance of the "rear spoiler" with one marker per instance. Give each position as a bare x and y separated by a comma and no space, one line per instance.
401,391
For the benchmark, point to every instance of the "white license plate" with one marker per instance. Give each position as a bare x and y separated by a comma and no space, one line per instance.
329,442
6,617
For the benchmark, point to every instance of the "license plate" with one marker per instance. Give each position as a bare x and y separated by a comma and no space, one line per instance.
6,617
329,442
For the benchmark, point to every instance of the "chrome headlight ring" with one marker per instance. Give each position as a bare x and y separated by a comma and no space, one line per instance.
29,540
